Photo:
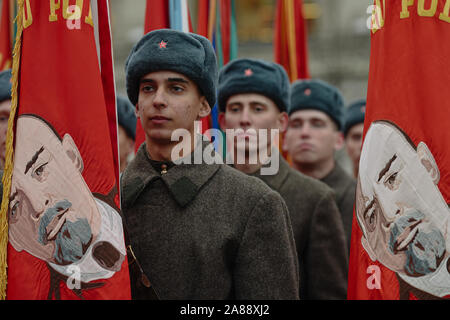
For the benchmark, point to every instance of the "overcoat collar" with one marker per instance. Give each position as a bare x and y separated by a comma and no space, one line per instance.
183,181
275,181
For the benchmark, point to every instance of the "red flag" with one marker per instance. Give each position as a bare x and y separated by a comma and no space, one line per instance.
66,239
400,242
225,27
202,29
107,72
5,36
290,43
290,49
202,18
156,15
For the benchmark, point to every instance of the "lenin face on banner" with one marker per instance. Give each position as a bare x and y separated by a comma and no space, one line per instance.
400,210
52,213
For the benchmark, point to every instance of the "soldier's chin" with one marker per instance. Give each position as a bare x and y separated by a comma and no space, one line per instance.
247,149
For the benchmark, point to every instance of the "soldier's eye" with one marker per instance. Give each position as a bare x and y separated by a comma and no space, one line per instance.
234,108
147,88
177,88
295,125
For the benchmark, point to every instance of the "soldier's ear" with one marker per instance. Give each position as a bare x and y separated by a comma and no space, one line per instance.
71,150
205,108
427,160
283,121
136,110
339,142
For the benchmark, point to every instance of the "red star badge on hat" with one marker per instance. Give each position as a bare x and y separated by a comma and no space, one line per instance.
163,44
307,92
248,72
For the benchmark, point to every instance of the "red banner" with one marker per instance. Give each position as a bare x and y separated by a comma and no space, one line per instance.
6,26
66,238
401,237
290,39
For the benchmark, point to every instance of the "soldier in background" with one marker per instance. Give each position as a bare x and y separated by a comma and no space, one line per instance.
353,132
254,97
314,135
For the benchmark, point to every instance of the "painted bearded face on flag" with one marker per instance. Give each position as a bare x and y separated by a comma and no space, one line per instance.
52,213
401,212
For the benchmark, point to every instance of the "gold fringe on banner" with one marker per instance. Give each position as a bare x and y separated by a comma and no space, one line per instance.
9,161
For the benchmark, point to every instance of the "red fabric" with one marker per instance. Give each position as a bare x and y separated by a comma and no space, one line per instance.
107,73
60,81
5,37
225,28
301,41
202,29
408,85
281,40
156,15
202,18
280,50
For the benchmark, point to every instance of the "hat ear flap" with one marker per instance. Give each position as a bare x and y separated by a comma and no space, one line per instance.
427,160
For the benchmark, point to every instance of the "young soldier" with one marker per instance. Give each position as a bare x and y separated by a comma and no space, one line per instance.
353,132
254,97
199,231
314,135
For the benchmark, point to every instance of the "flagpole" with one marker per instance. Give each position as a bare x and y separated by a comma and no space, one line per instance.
292,43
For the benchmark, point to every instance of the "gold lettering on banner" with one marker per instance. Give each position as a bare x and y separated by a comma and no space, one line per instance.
27,15
421,11
378,15
445,15
405,8
88,19
70,14
54,5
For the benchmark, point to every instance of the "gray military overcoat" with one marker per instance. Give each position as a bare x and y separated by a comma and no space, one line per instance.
318,231
208,232
344,187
